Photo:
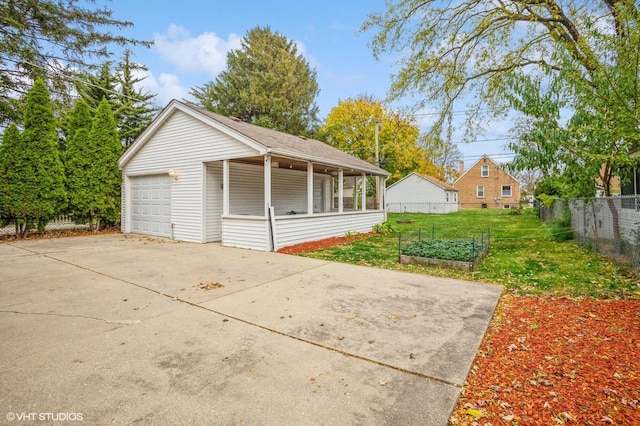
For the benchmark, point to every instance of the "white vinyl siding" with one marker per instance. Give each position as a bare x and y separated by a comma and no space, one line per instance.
415,194
297,229
246,232
246,189
198,142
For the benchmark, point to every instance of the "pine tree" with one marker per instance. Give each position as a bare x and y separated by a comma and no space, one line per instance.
37,179
268,83
135,109
50,39
105,149
95,87
81,186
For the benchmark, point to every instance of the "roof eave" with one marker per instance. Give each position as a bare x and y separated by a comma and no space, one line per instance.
328,162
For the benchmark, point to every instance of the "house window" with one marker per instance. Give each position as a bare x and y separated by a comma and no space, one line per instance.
506,207
506,190
484,171
480,191
447,197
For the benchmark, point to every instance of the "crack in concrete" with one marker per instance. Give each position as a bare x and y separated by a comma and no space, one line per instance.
123,322
310,342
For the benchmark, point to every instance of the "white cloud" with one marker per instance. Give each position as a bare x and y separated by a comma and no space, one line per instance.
166,86
205,53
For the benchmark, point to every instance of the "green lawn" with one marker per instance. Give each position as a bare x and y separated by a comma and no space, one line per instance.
524,257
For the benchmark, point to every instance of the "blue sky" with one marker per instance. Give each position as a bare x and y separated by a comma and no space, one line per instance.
192,38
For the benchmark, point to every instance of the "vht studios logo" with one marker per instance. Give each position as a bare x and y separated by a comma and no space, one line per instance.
45,417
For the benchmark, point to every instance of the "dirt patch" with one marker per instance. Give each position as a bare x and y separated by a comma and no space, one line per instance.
62,233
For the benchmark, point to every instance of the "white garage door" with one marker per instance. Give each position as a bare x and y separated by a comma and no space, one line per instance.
151,205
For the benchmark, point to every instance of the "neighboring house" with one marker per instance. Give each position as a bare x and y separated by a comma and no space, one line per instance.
416,193
487,185
196,176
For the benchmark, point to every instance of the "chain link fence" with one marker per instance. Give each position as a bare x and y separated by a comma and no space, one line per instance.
608,225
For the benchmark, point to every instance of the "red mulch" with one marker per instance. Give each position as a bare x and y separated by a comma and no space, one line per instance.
548,361
321,244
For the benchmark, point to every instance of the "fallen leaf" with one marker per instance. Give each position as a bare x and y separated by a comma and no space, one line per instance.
475,413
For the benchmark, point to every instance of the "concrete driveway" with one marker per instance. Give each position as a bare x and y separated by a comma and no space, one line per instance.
119,329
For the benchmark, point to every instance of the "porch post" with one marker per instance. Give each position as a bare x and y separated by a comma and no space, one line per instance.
379,192
267,184
364,192
225,187
309,188
340,191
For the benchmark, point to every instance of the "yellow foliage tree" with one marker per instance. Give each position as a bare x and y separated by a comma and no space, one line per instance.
351,127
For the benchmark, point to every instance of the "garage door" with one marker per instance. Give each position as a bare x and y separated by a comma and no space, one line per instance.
151,205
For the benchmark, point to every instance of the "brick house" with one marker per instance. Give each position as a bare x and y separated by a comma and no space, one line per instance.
486,185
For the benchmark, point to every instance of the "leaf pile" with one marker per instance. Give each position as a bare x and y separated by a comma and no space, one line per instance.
547,361
460,249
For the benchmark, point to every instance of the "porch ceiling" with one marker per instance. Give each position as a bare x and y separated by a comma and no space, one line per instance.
295,164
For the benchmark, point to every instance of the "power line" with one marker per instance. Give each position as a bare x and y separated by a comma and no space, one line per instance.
70,78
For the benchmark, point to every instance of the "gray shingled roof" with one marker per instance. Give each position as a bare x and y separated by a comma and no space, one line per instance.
294,146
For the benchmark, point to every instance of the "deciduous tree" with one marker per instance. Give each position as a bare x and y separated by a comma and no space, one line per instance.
351,127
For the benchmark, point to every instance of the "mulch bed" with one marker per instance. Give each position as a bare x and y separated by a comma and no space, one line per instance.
322,244
548,361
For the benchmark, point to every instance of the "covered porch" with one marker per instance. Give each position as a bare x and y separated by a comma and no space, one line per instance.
272,201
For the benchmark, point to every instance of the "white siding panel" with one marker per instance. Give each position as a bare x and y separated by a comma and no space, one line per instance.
214,202
248,233
246,189
182,144
417,195
289,191
292,230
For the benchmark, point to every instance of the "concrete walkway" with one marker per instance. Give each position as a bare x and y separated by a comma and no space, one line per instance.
119,329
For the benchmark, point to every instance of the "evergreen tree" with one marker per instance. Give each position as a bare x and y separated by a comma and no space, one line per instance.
81,185
36,182
9,184
93,88
267,82
135,109
51,39
105,149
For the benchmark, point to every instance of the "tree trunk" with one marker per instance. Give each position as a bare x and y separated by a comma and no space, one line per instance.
616,225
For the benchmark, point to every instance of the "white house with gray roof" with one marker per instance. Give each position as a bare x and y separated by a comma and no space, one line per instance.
201,177
416,193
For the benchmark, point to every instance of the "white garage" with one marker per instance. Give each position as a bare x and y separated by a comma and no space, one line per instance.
200,177
151,205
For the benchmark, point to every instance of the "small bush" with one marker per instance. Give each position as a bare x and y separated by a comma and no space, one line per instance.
383,228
